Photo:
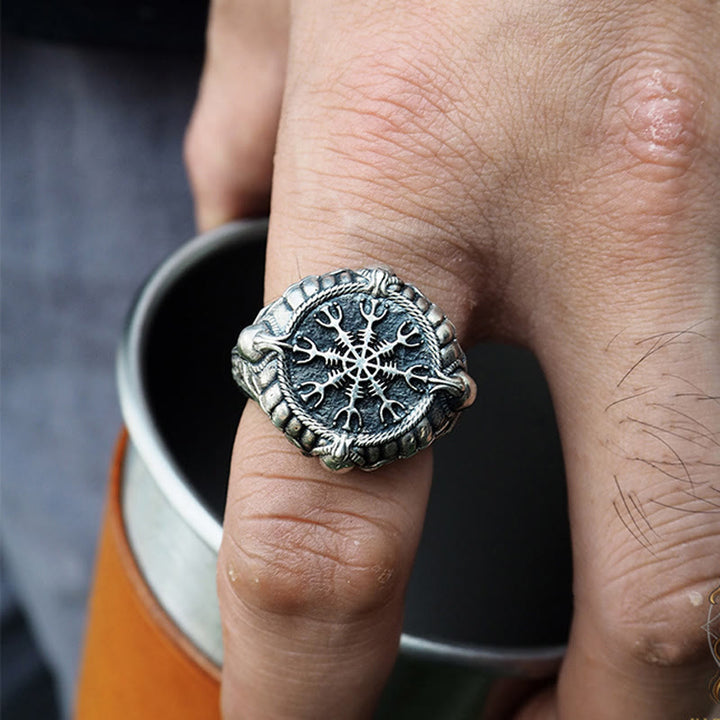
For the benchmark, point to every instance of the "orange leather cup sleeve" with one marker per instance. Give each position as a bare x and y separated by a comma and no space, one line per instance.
136,663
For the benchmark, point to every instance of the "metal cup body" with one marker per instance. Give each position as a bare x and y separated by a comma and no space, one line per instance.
489,598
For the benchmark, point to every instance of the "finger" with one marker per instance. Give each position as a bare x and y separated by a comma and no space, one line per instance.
312,573
231,137
629,335
314,566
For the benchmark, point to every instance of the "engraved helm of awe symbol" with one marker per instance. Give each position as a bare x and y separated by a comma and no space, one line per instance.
363,379
358,368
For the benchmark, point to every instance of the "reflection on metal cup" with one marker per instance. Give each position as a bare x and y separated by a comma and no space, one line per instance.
489,601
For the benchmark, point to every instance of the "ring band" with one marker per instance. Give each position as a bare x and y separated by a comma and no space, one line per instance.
355,367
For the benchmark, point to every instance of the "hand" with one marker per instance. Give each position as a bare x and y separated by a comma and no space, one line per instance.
549,174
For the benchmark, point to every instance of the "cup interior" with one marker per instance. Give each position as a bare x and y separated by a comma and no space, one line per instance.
494,564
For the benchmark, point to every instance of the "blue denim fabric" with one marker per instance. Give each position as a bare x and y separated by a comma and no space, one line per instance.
93,196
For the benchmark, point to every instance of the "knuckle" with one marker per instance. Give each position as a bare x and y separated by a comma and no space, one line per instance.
324,562
671,643
655,618
659,119
652,189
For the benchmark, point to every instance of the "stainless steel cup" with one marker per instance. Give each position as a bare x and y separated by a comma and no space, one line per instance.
490,594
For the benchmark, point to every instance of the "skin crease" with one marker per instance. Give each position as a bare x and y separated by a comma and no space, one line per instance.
549,174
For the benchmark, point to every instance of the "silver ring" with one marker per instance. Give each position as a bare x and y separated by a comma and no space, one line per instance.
356,367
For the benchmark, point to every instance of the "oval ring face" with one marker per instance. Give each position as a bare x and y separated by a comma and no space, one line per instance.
355,367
